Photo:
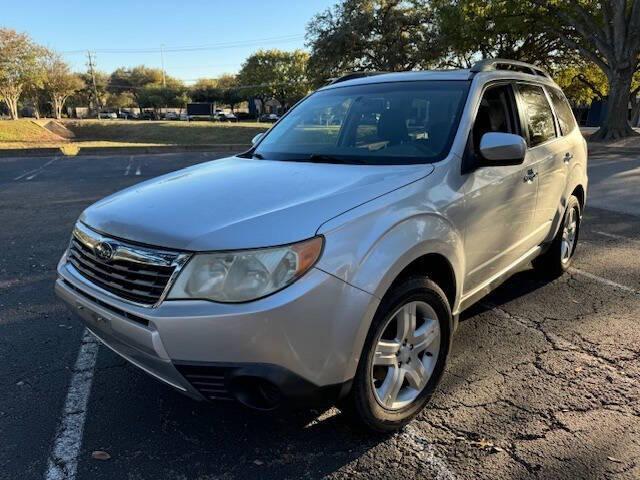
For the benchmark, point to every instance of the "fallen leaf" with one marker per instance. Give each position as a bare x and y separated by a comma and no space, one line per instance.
578,369
100,455
483,443
614,460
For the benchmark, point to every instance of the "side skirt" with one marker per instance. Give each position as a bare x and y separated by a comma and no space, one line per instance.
496,280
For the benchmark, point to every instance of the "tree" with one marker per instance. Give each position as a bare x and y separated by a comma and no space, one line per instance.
85,96
157,95
276,74
34,96
607,33
231,94
20,67
133,80
360,35
59,82
581,82
471,30
206,90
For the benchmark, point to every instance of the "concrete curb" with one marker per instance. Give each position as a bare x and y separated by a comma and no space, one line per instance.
48,152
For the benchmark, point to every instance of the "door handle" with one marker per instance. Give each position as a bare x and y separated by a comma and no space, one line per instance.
567,157
530,175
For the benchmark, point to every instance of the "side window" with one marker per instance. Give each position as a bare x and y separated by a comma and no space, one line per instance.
495,114
537,114
563,111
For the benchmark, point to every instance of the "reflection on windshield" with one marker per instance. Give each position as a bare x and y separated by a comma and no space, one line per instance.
386,123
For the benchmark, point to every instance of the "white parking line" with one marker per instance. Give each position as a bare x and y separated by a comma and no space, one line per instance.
31,174
603,280
63,460
139,170
614,236
128,169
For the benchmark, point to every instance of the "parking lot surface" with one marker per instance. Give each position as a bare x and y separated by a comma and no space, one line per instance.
543,382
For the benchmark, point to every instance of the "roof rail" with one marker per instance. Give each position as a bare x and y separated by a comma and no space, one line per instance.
504,64
353,76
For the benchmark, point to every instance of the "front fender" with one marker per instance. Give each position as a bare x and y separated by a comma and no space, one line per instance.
369,246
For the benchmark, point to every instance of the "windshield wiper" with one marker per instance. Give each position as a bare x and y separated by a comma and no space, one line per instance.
323,158
257,155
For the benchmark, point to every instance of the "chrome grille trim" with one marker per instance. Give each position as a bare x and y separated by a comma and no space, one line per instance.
134,274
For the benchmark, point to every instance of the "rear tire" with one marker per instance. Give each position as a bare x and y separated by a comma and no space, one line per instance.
404,356
559,257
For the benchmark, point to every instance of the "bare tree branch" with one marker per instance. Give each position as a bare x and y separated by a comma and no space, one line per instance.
582,79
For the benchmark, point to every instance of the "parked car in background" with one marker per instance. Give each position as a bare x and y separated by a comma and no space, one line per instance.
225,117
127,115
183,117
332,259
171,116
269,117
108,115
244,116
148,115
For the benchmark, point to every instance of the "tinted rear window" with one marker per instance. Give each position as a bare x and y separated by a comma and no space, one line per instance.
563,111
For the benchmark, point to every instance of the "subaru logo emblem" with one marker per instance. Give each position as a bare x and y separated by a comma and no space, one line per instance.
104,251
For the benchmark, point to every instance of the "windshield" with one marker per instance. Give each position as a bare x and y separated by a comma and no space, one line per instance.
378,124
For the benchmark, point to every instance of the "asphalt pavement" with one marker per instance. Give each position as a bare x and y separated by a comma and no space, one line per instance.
544,378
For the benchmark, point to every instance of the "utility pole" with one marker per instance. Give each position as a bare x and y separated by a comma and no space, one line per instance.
90,64
164,80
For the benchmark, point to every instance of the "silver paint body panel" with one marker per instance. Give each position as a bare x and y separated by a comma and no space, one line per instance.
375,220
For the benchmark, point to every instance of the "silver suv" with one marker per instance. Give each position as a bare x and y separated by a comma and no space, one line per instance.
331,261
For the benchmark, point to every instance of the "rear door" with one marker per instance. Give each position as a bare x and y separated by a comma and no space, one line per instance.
567,128
546,151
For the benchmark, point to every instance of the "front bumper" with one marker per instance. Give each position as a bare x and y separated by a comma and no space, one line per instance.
305,340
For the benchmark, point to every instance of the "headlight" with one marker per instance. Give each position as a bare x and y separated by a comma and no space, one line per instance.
241,276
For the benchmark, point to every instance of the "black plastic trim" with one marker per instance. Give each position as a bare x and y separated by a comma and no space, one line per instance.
295,389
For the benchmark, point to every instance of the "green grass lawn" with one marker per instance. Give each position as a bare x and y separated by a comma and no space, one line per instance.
26,133
24,130
164,133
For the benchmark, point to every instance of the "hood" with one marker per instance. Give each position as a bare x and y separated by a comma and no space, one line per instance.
238,203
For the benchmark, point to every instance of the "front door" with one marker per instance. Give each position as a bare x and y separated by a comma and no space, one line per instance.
499,200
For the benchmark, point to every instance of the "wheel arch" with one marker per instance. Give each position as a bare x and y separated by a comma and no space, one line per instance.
580,194
437,268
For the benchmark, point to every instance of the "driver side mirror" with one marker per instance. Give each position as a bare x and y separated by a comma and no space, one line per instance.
257,138
502,149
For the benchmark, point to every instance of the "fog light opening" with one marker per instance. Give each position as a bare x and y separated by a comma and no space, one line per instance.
256,393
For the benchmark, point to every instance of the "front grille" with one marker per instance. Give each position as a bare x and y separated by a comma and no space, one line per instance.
111,308
209,381
137,274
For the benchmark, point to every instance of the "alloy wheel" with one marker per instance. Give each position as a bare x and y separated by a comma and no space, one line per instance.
569,232
406,355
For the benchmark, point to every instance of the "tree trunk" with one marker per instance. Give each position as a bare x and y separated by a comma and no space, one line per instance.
12,103
615,124
635,109
57,108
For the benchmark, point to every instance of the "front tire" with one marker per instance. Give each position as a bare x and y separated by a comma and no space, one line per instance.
559,257
404,355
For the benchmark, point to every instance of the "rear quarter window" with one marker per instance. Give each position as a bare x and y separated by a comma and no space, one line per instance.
563,110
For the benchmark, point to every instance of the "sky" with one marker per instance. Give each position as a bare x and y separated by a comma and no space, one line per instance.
199,38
